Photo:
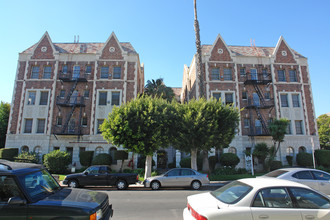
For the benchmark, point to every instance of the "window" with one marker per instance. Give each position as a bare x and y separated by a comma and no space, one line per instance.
47,72
307,199
175,172
28,126
59,121
99,123
215,74
115,98
293,76
244,95
103,98
267,95
84,121
217,95
321,175
37,149
25,149
35,72
117,72
242,72
290,151
86,93
104,72
41,126
112,153
299,129
88,69
32,97
284,100
265,74
254,74
273,198
246,123
227,74
232,150
82,149
56,148
295,100
65,69
99,150
62,94
256,99
229,98
76,72
302,149
70,151
8,190
43,98
232,192
258,126
288,129
281,75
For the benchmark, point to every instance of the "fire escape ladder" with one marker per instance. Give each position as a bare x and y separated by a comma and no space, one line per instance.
68,118
67,100
261,119
261,97
79,122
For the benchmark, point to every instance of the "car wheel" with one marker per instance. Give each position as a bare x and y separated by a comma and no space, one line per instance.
121,184
155,185
196,185
73,184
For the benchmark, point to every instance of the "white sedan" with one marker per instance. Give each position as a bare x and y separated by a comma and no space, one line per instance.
259,198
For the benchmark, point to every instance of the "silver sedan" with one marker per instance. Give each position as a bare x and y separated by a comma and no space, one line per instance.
178,177
316,179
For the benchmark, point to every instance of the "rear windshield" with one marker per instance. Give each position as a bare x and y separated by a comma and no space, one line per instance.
276,173
232,192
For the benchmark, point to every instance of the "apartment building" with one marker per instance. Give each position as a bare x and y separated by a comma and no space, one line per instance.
266,83
64,91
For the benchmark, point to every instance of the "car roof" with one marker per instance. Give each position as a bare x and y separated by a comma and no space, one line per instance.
17,167
299,169
263,182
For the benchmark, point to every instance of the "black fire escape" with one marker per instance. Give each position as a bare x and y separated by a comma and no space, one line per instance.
258,103
71,102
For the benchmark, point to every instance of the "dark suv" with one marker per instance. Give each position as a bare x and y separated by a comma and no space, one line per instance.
28,191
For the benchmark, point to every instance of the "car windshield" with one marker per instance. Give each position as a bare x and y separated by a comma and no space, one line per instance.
276,173
232,192
39,184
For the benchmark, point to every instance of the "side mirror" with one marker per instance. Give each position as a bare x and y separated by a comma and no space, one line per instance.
86,173
16,201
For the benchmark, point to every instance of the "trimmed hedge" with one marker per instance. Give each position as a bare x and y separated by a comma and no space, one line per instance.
57,161
275,164
304,159
212,162
322,157
186,162
229,159
28,157
289,159
86,157
102,159
8,153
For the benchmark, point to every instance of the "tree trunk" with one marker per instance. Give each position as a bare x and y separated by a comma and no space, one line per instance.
194,159
206,165
148,166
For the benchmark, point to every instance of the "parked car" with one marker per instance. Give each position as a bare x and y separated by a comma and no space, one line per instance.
100,175
28,191
316,179
259,198
178,177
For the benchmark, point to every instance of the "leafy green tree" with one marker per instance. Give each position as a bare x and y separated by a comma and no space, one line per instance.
323,125
122,156
204,125
278,130
142,126
261,151
4,117
157,88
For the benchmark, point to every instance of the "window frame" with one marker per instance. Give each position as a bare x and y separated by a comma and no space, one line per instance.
35,72
227,74
113,100
281,75
116,72
43,98
232,97
47,73
284,102
103,100
40,126
215,74
28,126
293,76
295,101
299,127
104,74
33,99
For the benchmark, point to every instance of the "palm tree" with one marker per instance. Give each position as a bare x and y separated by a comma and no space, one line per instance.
157,88
199,54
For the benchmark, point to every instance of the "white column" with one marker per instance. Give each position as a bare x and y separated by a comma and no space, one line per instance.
177,158
154,157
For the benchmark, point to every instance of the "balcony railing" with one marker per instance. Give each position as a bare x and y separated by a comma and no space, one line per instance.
71,77
252,103
260,78
70,130
73,101
258,131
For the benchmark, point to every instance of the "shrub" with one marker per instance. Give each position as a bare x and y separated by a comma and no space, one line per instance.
171,165
289,159
102,159
212,162
229,159
322,157
86,157
57,161
304,159
139,171
8,153
229,171
27,157
142,161
186,162
275,164
261,151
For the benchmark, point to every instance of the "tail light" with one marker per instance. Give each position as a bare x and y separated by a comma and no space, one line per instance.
195,214
207,175
137,177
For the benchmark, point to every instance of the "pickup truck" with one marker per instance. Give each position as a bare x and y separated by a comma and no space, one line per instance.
100,175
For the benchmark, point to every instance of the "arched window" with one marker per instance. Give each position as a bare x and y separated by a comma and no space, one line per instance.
112,152
37,149
290,151
232,150
99,150
302,149
25,149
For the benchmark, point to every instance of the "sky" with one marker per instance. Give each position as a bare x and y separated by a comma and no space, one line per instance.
162,32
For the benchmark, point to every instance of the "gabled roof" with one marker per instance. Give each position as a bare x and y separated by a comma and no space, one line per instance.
75,48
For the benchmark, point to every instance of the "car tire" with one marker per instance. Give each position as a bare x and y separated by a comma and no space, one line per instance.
155,185
121,184
196,185
73,184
